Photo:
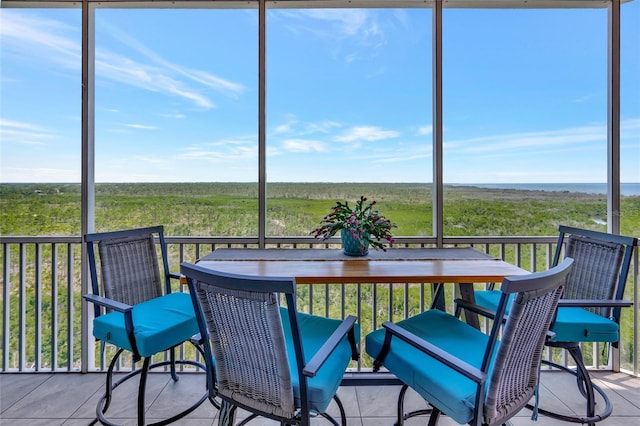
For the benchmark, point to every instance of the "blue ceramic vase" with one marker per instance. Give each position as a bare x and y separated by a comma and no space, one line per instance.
352,246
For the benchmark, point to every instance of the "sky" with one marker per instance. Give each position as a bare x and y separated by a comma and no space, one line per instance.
349,95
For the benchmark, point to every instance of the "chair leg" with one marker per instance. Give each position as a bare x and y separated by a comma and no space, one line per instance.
109,384
584,381
142,386
434,417
105,400
343,414
401,416
586,387
226,414
172,357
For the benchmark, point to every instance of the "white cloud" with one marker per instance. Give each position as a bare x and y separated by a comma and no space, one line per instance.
153,160
366,133
425,130
39,174
584,98
127,71
219,84
542,156
338,23
303,145
401,158
231,155
21,133
325,126
352,34
50,40
140,126
294,127
552,138
17,124
630,128
35,37
283,128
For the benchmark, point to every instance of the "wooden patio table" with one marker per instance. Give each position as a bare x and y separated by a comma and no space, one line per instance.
462,266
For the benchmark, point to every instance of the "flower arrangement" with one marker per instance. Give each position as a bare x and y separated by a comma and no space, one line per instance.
363,223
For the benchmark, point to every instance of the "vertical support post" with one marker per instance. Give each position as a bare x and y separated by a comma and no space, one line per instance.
613,117
262,123
6,305
438,199
87,184
613,133
636,320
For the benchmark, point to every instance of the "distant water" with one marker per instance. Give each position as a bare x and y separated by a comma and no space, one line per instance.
626,189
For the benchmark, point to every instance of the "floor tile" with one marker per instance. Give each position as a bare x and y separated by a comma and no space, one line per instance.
69,399
56,398
14,387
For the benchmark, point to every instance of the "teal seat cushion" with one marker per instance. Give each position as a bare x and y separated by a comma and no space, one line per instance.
580,325
571,325
159,324
315,330
451,392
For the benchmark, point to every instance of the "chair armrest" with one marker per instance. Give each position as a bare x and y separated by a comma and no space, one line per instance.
480,310
594,303
435,352
127,311
312,367
108,303
176,275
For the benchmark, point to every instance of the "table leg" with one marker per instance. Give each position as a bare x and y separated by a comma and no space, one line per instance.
466,294
437,301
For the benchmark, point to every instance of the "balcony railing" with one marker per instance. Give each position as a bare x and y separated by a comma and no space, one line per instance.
45,326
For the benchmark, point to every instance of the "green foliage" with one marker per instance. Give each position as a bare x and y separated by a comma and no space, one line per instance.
365,224
231,209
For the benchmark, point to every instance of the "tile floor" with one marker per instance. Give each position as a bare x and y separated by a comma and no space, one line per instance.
69,399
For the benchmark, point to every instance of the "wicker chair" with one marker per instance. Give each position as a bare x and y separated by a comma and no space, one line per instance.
589,310
464,373
135,310
271,361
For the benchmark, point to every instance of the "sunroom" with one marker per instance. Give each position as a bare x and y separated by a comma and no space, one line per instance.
238,124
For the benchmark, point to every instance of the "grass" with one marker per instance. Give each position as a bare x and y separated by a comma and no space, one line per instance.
293,209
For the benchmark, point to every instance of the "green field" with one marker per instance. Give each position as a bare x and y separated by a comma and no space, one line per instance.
294,209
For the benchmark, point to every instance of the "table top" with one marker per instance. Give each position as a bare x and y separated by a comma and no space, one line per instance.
328,266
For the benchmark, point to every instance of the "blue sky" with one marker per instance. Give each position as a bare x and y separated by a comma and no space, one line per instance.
348,95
